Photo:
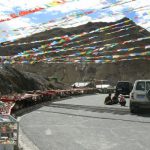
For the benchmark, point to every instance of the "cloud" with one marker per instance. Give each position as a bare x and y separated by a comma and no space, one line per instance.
10,5
77,22
79,5
14,24
110,14
17,23
109,18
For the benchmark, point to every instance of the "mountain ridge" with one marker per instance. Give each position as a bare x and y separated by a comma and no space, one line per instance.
58,32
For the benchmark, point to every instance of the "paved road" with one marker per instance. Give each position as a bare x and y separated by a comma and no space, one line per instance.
85,123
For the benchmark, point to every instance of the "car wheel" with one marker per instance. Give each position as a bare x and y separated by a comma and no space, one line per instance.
148,94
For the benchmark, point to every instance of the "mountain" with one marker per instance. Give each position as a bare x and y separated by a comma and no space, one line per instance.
118,28
123,41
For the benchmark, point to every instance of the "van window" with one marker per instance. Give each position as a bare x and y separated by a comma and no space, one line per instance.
147,85
140,86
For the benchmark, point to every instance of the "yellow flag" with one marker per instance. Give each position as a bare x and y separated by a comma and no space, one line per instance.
131,49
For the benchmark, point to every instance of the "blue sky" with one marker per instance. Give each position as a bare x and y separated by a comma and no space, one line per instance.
110,14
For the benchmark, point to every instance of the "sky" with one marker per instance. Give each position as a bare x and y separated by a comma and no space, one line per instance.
104,11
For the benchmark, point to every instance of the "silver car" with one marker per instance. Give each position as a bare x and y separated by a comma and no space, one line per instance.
140,95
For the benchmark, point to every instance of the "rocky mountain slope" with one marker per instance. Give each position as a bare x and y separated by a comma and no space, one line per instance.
15,81
69,73
12,80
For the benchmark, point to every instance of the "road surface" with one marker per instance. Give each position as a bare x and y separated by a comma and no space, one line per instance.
85,123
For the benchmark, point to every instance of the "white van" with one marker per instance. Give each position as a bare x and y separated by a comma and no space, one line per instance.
140,95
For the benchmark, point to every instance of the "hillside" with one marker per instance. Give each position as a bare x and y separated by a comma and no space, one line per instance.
12,81
119,28
15,81
85,71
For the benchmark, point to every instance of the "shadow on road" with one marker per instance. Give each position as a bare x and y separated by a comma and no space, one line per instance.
94,117
144,113
100,109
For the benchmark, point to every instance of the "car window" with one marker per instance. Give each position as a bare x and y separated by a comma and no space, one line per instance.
123,84
147,85
140,86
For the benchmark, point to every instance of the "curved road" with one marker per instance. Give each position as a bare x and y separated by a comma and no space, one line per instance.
84,123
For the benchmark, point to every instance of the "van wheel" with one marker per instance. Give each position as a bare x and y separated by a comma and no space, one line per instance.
133,109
